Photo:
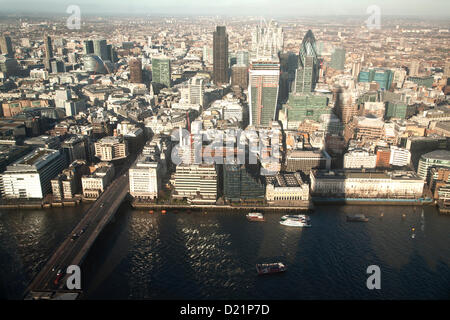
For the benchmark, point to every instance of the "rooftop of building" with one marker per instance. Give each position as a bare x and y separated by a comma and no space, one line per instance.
307,153
34,157
40,139
110,140
283,180
365,174
437,155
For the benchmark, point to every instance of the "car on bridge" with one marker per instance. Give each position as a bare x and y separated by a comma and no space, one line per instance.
74,236
58,276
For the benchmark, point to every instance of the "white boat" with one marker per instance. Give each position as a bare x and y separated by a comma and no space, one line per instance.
255,216
295,217
295,221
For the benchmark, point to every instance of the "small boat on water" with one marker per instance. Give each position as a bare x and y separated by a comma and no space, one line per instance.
295,216
269,268
357,218
255,216
298,220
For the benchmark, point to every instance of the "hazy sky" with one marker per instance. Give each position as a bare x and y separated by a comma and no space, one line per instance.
232,7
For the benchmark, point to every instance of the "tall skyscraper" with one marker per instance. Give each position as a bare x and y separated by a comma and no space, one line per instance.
447,69
196,90
267,41
207,55
112,55
48,47
109,51
414,68
356,68
135,70
100,49
161,71
88,47
338,59
239,76
264,78
220,56
308,67
242,58
382,76
6,46
48,52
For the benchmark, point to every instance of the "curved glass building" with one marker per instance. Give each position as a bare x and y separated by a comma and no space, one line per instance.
93,63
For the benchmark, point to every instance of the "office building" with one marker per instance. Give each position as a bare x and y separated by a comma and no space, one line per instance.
305,160
426,81
196,90
447,69
242,183
92,63
414,68
264,77
301,107
383,158
100,49
439,177
6,46
111,148
161,71
74,107
74,148
437,158
220,56
67,184
398,110
381,76
353,183
207,56
421,145
30,176
48,46
242,58
338,59
88,47
144,178
267,41
307,73
44,141
286,189
239,76
57,66
359,158
399,157
369,127
196,183
95,183
356,68
135,70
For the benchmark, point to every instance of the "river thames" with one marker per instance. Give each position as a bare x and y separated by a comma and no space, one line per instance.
212,255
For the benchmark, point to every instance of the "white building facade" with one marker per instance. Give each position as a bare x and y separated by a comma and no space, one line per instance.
144,179
365,184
